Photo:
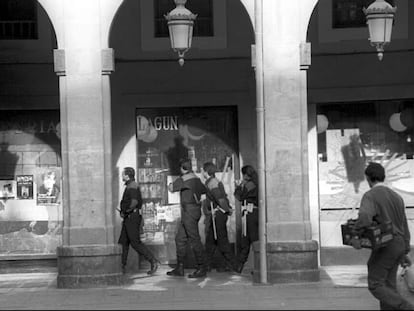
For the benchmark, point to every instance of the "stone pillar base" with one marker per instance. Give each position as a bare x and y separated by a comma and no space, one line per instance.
288,262
89,266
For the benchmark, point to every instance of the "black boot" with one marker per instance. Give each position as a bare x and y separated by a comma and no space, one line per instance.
223,269
178,270
154,266
238,267
199,273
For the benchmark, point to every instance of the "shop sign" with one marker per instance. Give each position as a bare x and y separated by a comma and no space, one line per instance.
18,127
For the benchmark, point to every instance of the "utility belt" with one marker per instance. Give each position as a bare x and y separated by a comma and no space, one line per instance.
190,204
213,217
246,208
135,210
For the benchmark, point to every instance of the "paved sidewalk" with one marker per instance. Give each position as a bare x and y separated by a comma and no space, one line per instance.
340,288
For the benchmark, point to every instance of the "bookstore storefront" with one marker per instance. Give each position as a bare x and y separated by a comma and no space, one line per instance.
30,183
349,136
166,135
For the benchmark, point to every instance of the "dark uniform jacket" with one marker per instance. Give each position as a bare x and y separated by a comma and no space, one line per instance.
216,195
247,193
191,188
131,192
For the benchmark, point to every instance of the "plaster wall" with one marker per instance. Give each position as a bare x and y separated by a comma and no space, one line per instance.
285,108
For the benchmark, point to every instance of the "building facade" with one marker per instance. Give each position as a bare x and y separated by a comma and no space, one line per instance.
89,87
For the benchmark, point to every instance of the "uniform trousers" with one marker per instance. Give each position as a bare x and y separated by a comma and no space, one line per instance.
130,235
187,233
221,244
252,222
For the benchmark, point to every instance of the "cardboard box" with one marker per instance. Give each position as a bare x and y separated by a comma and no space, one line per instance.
373,237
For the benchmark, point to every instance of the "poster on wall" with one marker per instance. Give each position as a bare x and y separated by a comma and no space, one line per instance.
48,185
166,135
24,187
7,189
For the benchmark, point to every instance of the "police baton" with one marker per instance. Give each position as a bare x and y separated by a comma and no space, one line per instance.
244,223
213,220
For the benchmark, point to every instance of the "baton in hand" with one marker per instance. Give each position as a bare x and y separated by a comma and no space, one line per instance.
244,223
213,220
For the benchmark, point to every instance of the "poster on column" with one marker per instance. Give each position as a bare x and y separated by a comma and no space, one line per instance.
166,135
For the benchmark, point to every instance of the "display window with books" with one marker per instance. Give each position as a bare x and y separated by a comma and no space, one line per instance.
31,218
166,135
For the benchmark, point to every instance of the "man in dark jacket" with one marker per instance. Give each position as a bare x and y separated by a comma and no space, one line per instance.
246,191
191,188
131,214
216,209
381,204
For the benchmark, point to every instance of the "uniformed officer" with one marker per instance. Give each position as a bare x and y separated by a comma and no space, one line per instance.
247,193
131,204
217,209
191,188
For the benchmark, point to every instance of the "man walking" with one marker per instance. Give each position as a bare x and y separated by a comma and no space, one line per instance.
131,204
382,204
191,188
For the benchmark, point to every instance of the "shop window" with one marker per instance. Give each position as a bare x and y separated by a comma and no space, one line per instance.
31,218
164,137
210,29
18,19
350,135
349,13
354,134
203,25
376,125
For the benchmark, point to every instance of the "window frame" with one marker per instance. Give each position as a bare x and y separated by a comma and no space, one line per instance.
151,43
209,18
327,33
35,22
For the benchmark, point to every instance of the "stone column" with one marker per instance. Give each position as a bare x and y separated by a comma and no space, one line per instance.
291,254
89,255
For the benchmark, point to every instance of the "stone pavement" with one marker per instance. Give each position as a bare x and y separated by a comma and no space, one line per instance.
340,288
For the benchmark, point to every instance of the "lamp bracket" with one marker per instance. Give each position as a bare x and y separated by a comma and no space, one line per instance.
305,55
59,61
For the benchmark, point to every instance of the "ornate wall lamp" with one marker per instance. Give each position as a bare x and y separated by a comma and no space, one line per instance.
380,17
180,26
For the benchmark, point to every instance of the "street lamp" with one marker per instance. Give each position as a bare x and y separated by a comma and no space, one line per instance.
180,26
380,17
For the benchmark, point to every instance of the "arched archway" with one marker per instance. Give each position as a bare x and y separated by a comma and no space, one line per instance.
346,84
217,75
31,225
